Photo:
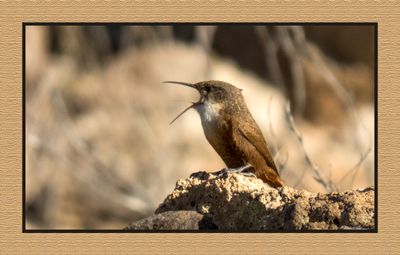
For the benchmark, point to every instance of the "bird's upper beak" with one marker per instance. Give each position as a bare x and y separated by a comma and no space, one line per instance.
195,86
182,83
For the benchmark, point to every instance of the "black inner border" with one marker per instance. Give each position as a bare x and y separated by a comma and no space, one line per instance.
24,24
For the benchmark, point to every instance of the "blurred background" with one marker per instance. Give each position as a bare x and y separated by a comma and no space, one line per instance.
100,152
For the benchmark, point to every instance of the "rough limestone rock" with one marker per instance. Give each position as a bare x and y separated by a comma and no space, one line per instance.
237,202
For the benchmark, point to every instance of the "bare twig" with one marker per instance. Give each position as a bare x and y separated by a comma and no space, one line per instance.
282,163
271,55
132,203
340,91
303,173
276,147
356,167
205,37
348,101
105,177
294,55
318,175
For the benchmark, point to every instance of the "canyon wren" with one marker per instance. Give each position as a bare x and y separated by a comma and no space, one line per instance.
231,130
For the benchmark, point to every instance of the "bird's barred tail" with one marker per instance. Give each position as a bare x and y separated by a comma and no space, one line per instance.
270,177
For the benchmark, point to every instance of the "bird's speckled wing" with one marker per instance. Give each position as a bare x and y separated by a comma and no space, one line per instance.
250,133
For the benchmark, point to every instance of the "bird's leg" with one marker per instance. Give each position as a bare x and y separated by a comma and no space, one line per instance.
239,170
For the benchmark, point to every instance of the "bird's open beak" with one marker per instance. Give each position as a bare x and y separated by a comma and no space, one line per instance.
193,104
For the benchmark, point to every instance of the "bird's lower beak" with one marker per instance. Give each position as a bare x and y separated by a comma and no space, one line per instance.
193,104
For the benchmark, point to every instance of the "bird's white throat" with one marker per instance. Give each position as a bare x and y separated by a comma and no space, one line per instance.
208,112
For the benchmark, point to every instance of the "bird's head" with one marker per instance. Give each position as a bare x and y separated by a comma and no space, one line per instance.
213,94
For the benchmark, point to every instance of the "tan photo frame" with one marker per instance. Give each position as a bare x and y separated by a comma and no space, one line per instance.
14,14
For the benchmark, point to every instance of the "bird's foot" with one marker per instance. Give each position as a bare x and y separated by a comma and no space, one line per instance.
244,170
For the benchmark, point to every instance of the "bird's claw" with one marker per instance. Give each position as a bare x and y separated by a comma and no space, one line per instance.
240,170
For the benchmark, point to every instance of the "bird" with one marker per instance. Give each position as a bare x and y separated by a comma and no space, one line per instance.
232,131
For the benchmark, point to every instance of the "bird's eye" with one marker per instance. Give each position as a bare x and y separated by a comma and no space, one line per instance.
207,89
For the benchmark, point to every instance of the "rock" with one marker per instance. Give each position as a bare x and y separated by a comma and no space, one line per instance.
174,220
236,202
